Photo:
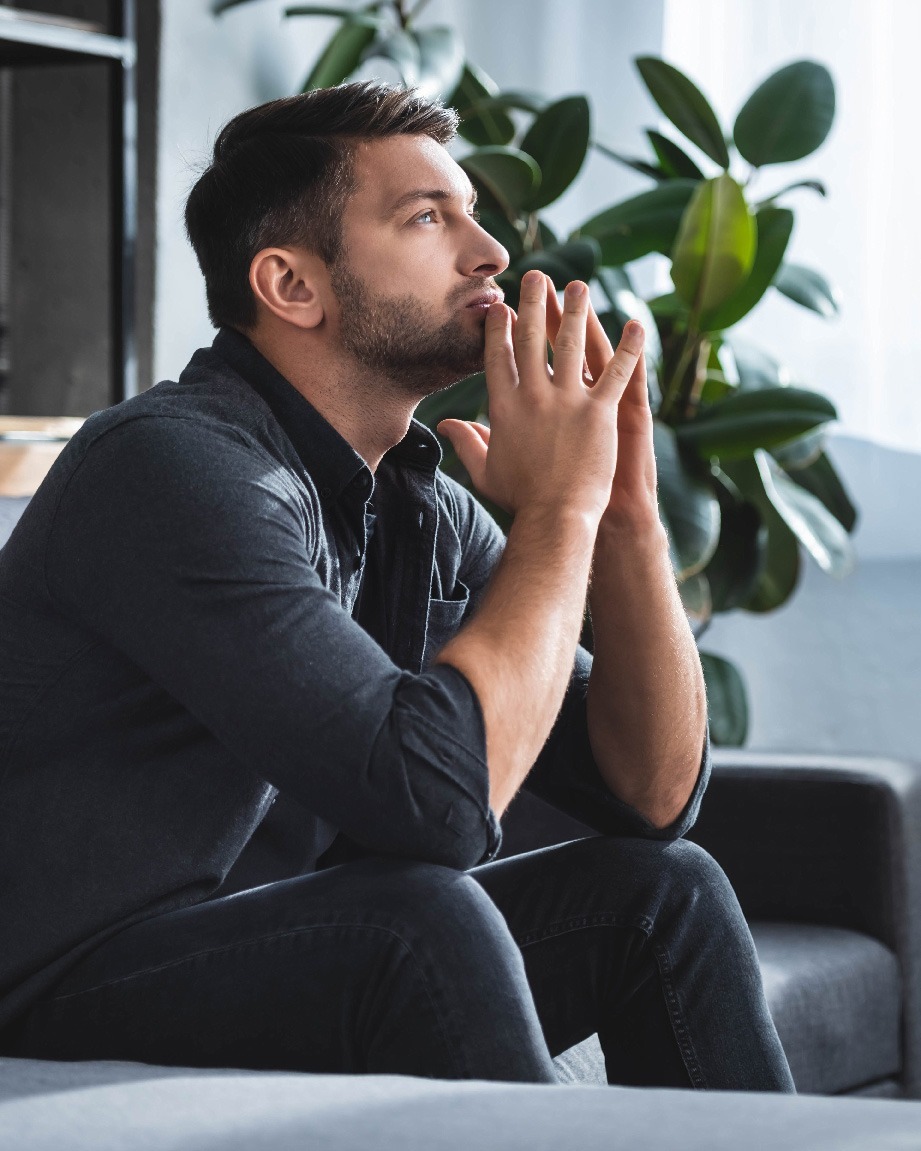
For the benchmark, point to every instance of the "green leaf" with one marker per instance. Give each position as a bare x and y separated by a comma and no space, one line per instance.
801,452
741,423
507,174
441,60
685,105
727,701
774,226
674,160
558,141
722,376
823,537
646,223
479,125
822,480
575,260
715,247
739,560
756,368
519,101
641,166
687,506
788,116
668,306
813,185
342,54
402,50
316,10
809,288
781,564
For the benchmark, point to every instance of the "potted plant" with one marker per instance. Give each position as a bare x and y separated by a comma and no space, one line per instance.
745,483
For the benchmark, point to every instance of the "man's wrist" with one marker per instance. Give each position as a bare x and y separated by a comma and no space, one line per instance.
640,527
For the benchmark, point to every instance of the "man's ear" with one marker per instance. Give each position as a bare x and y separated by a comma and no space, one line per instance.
291,283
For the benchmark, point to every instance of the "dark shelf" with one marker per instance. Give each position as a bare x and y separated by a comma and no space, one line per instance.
28,38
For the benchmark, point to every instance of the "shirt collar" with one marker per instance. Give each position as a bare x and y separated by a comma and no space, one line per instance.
328,457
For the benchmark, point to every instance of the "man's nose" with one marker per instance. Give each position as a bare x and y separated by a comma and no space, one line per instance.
487,256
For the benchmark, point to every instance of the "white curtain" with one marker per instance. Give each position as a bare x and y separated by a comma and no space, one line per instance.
866,237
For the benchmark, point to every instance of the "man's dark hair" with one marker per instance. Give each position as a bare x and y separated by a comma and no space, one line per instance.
281,175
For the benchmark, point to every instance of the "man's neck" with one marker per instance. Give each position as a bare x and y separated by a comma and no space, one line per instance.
370,413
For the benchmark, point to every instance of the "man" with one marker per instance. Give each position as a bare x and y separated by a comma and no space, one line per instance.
255,586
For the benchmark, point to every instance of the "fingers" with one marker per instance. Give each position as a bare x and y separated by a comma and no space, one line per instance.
624,364
530,339
569,348
499,355
469,443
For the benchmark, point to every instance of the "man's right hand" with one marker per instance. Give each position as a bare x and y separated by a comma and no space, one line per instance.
552,441
549,458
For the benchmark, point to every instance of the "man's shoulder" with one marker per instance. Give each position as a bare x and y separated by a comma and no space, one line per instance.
209,410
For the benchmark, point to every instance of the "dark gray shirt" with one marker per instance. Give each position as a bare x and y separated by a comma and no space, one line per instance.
216,666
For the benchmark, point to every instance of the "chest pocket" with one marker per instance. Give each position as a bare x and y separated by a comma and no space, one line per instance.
445,619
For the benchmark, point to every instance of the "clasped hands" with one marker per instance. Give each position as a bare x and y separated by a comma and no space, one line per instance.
574,436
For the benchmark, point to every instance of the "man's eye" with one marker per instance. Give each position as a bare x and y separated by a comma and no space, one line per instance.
421,219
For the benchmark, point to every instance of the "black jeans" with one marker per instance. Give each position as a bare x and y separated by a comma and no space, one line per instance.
391,966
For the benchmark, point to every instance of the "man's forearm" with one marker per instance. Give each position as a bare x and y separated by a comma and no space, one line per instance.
647,707
517,651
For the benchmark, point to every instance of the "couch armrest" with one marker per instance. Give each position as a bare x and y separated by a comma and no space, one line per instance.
825,839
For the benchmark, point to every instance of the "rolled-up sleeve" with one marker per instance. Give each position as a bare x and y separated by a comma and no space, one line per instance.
186,548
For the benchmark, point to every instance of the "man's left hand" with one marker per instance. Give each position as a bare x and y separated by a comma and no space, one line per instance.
633,493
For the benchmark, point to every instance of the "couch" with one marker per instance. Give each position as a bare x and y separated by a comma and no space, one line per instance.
825,854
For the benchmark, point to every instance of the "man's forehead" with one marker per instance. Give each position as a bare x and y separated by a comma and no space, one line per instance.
392,171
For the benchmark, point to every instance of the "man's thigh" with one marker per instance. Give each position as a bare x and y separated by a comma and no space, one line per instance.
356,968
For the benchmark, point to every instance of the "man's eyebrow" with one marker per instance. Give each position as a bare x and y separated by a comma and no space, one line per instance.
440,194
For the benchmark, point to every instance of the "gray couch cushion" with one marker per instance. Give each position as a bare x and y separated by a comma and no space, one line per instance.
104,1107
836,999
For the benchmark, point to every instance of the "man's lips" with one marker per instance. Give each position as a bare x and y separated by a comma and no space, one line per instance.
484,299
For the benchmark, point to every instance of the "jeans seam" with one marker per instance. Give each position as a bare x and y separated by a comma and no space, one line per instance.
663,963
229,948
579,922
679,1027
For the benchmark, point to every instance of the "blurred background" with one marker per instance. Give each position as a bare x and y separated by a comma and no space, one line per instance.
838,666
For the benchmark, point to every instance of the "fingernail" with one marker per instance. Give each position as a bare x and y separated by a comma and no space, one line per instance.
533,278
575,289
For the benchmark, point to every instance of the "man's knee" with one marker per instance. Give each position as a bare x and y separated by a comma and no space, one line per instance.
441,905
678,870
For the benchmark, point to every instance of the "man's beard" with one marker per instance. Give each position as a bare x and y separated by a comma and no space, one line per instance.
395,337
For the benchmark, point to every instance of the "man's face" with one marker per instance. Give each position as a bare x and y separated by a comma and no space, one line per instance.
415,277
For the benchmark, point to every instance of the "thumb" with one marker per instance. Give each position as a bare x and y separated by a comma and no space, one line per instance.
470,446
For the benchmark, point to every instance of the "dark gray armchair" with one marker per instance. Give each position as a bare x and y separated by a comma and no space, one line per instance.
825,855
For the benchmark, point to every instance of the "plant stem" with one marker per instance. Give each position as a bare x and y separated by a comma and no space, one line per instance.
401,13
672,389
